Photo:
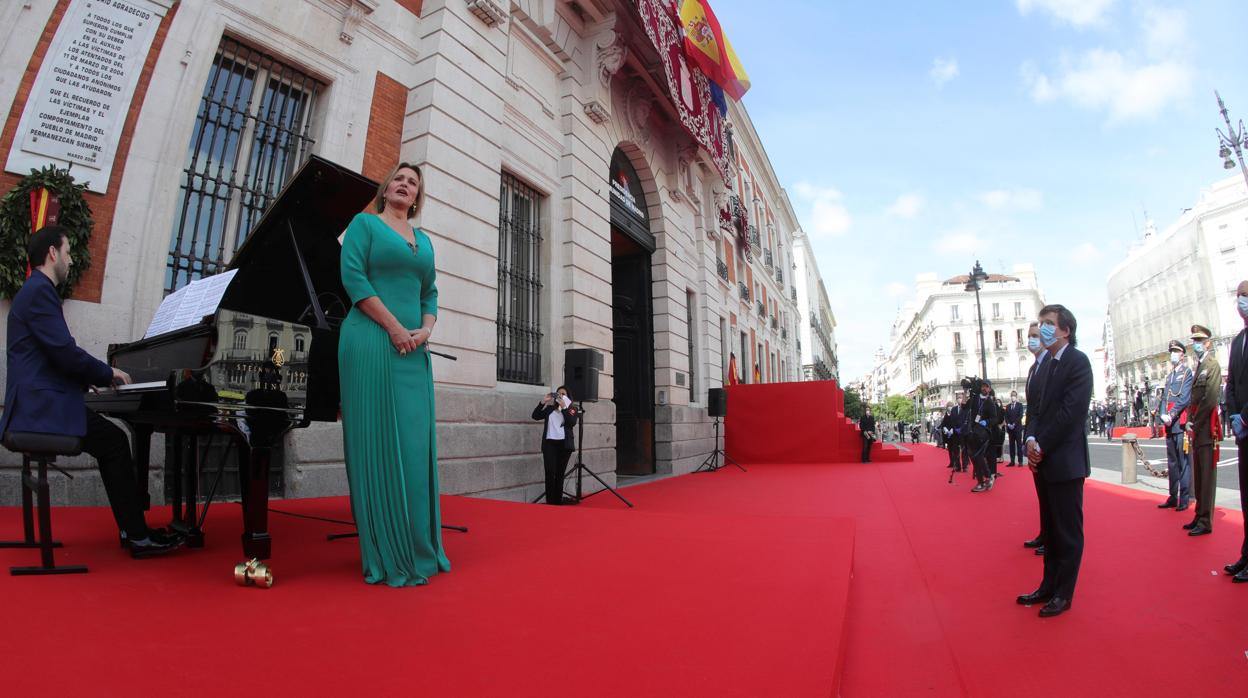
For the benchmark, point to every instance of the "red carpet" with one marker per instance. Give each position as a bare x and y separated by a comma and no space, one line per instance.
725,583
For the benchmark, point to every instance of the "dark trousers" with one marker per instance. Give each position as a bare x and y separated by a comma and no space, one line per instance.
1243,492
981,454
955,460
1205,477
866,450
1063,537
1017,455
964,454
555,457
1180,469
107,443
1042,500
1109,430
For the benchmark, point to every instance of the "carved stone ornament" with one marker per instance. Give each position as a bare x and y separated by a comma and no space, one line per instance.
638,106
488,11
352,15
612,52
686,155
596,113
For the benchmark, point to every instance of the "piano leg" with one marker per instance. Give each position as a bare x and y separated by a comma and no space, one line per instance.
175,470
142,462
195,535
254,464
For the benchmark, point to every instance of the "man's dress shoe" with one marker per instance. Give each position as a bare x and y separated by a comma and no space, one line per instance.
1183,506
1034,597
1055,606
151,548
1190,525
1033,543
1238,566
1168,504
1199,531
1242,577
1040,550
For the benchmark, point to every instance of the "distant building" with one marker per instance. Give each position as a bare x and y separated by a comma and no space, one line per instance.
816,329
935,339
1183,275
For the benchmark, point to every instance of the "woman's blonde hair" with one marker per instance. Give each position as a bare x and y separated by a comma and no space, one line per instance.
380,202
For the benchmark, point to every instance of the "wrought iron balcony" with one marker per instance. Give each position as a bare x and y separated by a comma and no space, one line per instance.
793,294
780,276
758,306
721,269
767,259
784,333
744,291
775,322
755,239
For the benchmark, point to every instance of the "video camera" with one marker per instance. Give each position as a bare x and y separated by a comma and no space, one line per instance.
973,385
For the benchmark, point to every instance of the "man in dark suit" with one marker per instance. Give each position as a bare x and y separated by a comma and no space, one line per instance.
1057,449
947,426
47,374
1237,405
1014,429
1201,416
1032,392
866,429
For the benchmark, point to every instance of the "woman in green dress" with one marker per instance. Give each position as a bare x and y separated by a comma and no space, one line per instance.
387,387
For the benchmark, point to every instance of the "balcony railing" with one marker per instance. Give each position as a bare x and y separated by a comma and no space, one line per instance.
722,269
767,259
780,276
755,240
793,294
758,307
784,333
775,322
743,291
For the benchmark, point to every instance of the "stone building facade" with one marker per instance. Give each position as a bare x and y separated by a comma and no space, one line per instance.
570,204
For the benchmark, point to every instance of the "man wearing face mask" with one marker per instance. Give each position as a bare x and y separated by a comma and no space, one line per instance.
983,415
1032,392
1206,391
1237,405
1057,449
1014,429
1172,405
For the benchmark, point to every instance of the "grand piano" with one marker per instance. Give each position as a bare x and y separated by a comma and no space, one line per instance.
264,363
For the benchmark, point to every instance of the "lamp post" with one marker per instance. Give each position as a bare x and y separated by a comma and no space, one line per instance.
921,357
977,278
1233,140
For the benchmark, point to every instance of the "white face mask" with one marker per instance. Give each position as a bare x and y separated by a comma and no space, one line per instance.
564,401
1175,358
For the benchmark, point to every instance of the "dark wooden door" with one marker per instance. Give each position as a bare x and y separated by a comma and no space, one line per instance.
633,357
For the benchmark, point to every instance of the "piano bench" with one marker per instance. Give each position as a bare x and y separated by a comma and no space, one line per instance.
43,449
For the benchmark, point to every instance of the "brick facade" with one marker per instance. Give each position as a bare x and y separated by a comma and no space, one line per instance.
385,127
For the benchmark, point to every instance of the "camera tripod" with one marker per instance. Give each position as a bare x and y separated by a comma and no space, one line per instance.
712,462
579,468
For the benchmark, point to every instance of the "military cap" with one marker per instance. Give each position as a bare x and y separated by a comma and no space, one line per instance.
1177,344
1200,333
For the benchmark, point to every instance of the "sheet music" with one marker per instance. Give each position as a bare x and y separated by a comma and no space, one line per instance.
189,304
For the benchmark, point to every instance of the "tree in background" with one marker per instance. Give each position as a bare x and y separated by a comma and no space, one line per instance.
853,405
899,408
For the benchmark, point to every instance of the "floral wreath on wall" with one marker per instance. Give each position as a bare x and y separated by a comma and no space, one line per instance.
16,229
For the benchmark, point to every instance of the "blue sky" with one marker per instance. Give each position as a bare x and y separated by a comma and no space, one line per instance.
920,136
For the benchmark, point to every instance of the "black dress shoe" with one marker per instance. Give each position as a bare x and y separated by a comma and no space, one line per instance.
1040,550
1199,531
151,548
1241,578
1168,504
1034,597
1190,525
1238,566
1033,543
1182,507
1056,606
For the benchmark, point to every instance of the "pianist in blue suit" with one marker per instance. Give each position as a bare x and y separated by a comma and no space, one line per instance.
47,375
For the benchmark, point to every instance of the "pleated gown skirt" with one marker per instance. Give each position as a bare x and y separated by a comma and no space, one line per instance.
389,437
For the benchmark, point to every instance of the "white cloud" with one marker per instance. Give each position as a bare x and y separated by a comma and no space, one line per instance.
1079,13
906,206
959,243
1015,199
1138,83
896,290
827,214
1086,253
943,70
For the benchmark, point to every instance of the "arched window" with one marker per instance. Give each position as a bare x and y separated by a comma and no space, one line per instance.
959,367
299,342
272,342
1000,368
240,339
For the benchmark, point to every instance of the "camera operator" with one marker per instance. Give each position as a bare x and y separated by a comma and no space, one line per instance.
981,411
948,424
558,440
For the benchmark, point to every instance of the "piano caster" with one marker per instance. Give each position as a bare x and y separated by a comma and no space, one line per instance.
253,573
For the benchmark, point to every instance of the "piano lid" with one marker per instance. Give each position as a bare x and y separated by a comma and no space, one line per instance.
317,204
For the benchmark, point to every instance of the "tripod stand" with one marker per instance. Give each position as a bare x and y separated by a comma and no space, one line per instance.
712,462
580,468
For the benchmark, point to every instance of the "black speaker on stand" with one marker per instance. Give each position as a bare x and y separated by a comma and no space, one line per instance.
717,407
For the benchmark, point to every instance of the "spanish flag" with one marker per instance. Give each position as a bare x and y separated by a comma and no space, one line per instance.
706,45
45,209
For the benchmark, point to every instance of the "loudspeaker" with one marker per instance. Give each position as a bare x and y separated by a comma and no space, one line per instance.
580,373
717,402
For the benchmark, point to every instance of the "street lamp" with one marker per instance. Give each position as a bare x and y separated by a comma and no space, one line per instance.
976,279
921,357
1232,140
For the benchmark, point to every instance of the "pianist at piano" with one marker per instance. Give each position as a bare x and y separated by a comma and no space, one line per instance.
47,375
386,376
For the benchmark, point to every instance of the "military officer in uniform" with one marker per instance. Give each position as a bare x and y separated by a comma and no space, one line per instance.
1174,400
1206,394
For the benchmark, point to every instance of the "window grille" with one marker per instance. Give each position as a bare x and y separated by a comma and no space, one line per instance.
519,283
251,134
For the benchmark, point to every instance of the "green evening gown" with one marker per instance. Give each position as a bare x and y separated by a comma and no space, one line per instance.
388,424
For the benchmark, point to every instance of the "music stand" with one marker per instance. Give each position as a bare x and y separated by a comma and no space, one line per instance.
712,462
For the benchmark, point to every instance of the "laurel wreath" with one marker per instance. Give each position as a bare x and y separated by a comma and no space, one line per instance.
75,217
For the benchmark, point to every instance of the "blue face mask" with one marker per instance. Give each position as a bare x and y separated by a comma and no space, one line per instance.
1199,349
1033,344
1048,335
1242,301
